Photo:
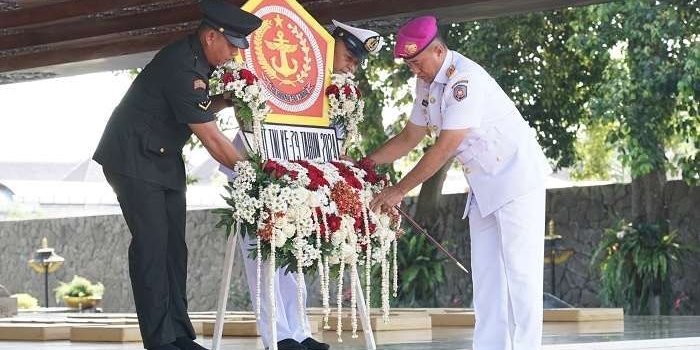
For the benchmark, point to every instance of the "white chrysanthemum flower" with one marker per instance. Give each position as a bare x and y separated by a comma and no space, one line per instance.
338,237
348,253
334,259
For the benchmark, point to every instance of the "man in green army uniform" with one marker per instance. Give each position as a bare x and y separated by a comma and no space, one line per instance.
141,155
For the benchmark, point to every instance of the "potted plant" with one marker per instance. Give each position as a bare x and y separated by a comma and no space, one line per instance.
79,293
422,273
635,263
25,301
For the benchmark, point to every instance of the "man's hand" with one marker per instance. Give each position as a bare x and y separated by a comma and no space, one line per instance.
387,199
217,144
346,158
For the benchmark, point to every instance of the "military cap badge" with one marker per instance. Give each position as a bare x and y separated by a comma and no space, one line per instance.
410,48
371,43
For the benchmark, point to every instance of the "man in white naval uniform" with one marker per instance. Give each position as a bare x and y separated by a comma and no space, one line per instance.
474,120
352,45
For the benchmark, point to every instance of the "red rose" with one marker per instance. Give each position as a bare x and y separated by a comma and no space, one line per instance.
372,227
333,222
280,171
372,177
317,181
332,90
314,182
353,181
369,166
347,90
276,170
358,224
270,166
315,175
338,165
248,76
365,163
348,175
227,78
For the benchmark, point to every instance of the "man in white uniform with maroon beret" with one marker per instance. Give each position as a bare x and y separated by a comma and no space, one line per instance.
475,121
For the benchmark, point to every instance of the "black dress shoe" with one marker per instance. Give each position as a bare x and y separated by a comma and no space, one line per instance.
185,343
290,344
313,344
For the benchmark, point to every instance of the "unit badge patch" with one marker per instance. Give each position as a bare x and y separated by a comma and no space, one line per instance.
459,92
200,84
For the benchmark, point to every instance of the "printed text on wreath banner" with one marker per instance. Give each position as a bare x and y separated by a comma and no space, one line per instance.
294,143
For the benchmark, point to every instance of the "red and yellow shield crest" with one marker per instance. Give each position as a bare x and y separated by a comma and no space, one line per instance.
291,54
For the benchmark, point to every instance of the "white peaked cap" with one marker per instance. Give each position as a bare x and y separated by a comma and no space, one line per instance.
365,41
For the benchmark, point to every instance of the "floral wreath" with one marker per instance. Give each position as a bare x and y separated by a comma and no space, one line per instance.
308,215
240,86
312,216
346,105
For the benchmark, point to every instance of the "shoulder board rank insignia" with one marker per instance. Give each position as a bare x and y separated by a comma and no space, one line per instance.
199,84
204,105
451,71
460,82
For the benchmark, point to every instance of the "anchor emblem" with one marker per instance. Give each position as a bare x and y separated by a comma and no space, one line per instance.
282,45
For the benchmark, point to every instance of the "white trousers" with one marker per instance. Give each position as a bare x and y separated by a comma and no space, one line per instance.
291,321
507,273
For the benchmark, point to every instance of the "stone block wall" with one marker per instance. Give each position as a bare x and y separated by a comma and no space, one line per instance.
96,247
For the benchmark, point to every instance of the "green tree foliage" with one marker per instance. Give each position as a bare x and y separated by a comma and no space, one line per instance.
558,68
594,155
652,89
536,58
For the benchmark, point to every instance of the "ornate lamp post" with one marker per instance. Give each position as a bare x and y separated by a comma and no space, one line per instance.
45,261
554,255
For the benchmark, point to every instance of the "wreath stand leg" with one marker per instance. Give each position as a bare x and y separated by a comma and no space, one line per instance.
364,315
224,288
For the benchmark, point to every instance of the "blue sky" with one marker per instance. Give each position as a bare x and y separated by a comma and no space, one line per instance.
57,120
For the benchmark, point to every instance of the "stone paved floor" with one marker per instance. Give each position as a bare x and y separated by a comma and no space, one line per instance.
675,333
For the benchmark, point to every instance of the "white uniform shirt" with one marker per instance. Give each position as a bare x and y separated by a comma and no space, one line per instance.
500,155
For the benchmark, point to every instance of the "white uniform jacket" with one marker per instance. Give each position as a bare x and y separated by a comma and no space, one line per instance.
500,155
